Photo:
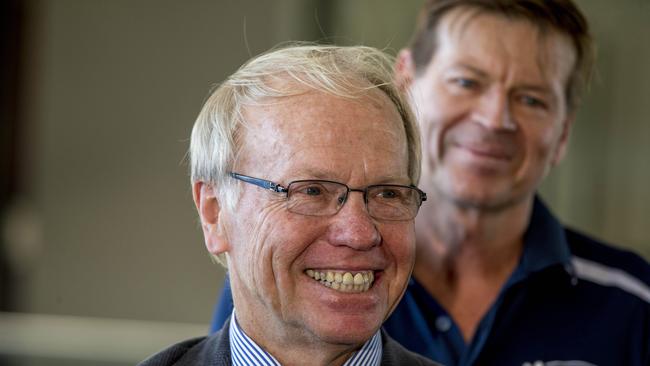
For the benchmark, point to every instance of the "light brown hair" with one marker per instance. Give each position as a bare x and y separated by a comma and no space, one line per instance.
562,16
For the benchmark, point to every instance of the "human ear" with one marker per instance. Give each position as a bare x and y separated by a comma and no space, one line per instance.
404,70
563,142
210,214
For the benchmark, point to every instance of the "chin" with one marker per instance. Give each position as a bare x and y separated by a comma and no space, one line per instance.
348,336
346,330
487,200
472,193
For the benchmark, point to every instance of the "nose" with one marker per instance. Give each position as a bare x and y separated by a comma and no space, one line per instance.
493,110
352,226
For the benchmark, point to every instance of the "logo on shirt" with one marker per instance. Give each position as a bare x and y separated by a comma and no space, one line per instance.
559,363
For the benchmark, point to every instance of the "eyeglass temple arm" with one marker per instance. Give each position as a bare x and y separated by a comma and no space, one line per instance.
266,184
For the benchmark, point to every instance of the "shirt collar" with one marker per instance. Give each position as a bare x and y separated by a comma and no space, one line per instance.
545,243
244,351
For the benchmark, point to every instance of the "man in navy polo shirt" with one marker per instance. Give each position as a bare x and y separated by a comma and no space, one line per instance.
498,280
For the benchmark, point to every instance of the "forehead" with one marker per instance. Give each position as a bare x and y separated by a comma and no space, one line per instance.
496,41
318,131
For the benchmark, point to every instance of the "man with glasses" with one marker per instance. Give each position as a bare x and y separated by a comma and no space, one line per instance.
498,280
304,164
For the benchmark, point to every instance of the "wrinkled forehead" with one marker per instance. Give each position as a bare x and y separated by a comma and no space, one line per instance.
310,110
313,120
523,40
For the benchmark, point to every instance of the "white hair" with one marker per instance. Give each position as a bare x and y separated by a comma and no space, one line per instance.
348,72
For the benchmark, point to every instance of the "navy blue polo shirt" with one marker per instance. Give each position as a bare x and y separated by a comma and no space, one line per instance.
571,301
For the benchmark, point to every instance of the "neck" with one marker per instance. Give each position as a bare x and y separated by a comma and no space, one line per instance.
288,345
471,239
466,254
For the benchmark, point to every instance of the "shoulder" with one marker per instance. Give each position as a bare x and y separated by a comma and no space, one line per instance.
195,352
606,265
172,354
395,354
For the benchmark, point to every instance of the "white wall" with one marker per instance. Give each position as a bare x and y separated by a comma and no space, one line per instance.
114,91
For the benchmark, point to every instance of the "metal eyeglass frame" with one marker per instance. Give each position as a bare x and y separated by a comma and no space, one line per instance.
275,187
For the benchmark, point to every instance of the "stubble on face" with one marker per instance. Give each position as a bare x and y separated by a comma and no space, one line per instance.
484,148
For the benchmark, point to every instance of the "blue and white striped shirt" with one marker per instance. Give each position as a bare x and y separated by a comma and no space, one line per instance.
244,351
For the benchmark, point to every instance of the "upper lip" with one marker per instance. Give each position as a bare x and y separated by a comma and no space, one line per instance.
346,266
345,269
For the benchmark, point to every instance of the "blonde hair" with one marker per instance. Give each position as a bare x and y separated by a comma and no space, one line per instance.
348,72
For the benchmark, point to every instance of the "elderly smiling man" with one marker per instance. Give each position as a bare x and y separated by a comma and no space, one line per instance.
304,165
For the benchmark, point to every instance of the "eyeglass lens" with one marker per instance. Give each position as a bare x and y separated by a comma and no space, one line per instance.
322,198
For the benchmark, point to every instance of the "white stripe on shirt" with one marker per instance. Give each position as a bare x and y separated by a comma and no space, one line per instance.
609,276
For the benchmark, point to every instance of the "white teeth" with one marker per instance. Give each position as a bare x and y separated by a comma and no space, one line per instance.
344,281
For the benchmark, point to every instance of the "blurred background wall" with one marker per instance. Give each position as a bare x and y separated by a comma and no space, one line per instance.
102,261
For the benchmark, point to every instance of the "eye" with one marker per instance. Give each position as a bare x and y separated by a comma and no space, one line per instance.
312,190
465,83
389,193
315,189
533,102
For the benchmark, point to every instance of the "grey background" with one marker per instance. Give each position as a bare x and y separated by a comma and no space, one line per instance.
107,228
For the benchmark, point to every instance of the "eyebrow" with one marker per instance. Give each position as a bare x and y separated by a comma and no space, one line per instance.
309,173
530,87
471,68
535,88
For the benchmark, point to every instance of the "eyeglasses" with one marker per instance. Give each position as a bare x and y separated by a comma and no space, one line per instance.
315,197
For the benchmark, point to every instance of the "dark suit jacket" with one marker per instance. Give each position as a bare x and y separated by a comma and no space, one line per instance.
215,351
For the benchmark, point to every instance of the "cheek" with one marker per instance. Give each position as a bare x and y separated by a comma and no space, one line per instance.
431,123
544,143
540,147
282,242
290,241
402,252
400,239
440,116
256,240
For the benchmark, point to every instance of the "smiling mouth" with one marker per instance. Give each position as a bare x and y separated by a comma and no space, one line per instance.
342,281
490,153
487,151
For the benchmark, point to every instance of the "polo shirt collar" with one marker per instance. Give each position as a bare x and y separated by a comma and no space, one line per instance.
545,244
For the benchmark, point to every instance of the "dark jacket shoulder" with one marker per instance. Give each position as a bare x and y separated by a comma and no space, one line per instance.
395,354
208,351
